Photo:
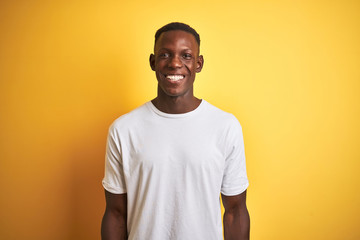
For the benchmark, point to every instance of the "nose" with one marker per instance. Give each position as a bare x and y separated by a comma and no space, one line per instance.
175,62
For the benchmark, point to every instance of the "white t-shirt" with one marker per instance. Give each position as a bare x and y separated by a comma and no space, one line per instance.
173,168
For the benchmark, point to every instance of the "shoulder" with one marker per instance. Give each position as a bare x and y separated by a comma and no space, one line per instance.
222,117
130,119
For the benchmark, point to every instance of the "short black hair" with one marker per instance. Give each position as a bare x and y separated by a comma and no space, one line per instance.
177,26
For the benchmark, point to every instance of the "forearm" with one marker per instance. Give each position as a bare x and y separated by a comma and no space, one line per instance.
113,226
237,225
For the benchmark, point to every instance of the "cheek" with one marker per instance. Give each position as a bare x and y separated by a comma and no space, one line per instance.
161,65
158,75
190,66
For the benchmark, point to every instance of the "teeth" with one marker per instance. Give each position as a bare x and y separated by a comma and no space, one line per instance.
175,77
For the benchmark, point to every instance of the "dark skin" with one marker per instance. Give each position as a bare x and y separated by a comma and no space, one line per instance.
176,61
113,226
236,217
176,53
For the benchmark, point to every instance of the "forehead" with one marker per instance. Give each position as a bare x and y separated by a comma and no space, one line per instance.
176,39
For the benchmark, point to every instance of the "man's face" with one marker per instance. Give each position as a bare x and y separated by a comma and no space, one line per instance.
176,61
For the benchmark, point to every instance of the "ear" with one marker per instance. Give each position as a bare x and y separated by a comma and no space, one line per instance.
152,61
199,63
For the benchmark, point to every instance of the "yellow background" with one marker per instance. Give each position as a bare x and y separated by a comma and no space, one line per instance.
289,71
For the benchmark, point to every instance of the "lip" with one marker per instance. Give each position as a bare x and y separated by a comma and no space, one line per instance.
172,81
178,74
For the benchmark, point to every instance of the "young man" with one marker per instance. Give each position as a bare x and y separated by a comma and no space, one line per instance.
168,160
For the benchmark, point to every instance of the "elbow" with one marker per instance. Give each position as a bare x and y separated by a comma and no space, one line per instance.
237,224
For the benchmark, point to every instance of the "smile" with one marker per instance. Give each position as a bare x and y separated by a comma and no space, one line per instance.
174,77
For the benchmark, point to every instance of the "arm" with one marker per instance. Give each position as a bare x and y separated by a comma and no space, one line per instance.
236,217
114,222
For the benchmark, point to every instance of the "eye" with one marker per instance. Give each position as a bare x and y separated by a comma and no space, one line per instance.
164,55
187,56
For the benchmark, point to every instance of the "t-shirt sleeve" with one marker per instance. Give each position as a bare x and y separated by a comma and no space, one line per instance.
114,180
235,179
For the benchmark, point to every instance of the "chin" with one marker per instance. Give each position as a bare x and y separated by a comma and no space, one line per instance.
173,94
170,92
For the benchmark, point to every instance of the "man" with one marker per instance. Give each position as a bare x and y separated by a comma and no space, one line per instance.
168,160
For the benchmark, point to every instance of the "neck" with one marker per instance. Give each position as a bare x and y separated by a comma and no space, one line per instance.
176,105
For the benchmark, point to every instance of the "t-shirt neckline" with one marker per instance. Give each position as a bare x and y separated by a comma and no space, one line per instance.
177,115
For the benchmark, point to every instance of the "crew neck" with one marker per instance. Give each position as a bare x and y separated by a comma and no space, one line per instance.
176,115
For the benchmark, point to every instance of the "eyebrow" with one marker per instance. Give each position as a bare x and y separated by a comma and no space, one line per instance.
168,49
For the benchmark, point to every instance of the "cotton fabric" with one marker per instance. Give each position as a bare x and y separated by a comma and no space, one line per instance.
173,168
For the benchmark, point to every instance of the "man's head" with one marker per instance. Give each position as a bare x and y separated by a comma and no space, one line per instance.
177,26
176,59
